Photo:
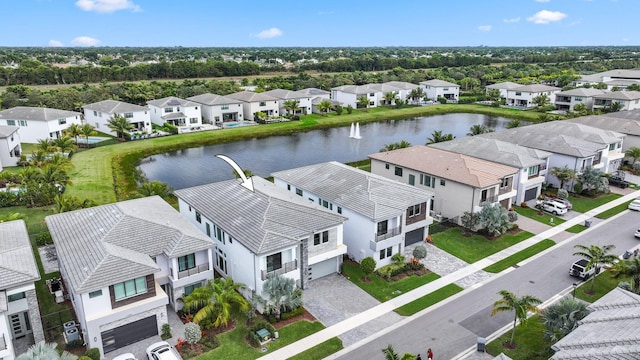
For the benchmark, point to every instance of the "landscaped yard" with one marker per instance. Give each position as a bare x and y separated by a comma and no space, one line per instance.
428,300
583,204
519,256
475,247
614,210
529,340
604,283
539,215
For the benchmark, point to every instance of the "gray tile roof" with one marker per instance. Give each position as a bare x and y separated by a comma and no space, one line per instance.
494,150
384,88
114,107
631,114
610,331
436,82
628,126
285,94
17,264
586,92
370,195
614,74
535,88
507,85
250,96
355,89
108,244
171,101
619,95
579,131
317,100
213,99
313,92
621,82
6,130
36,113
267,219
402,85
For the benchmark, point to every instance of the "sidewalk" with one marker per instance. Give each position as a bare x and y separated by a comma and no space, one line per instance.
386,307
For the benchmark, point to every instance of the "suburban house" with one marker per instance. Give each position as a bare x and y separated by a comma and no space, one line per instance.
609,332
349,95
315,93
265,232
624,122
10,148
566,100
503,87
523,95
384,215
253,102
317,100
403,88
628,100
460,183
532,163
217,109
175,111
612,78
123,263
435,89
304,101
20,324
37,123
98,114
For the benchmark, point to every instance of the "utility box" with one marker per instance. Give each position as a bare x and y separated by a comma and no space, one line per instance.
482,342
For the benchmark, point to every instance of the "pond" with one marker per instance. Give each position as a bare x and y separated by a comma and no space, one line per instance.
197,166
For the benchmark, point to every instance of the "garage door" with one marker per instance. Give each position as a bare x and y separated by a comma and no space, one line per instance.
530,194
323,268
414,236
128,334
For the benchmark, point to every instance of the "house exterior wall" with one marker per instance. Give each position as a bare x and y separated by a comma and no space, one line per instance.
304,105
215,113
8,145
433,92
630,141
271,108
32,130
344,98
193,115
27,304
569,102
8,352
524,98
624,104
100,120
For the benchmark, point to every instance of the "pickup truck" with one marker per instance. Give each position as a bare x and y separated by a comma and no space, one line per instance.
618,181
578,269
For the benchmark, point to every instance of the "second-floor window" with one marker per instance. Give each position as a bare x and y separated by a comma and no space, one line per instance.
130,288
11,123
128,115
189,288
298,192
414,210
17,296
62,121
412,179
612,147
198,217
94,294
533,170
398,171
274,262
224,107
186,262
321,238
263,103
168,110
383,227
505,183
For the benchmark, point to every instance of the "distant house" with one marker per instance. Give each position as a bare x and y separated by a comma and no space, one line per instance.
219,109
503,87
253,102
265,232
459,183
523,96
315,93
19,310
404,88
10,148
628,100
435,89
566,100
304,101
624,122
37,123
98,114
620,78
384,215
349,95
317,100
123,263
175,111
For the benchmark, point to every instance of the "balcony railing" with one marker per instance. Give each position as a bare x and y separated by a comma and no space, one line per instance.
489,200
196,270
390,233
286,267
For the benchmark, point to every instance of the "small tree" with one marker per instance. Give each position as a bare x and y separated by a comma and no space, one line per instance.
367,265
563,174
633,153
279,293
420,252
540,100
563,194
338,109
591,179
192,333
562,318
519,305
349,109
470,220
494,219
437,136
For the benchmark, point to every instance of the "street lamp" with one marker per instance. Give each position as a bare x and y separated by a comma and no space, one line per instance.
575,286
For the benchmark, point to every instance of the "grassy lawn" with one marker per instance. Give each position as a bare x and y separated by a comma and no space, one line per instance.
529,340
583,204
428,300
475,247
613,211
604,283
320,351
381,289
519,256
537,215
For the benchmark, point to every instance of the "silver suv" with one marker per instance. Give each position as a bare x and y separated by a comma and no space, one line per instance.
554,207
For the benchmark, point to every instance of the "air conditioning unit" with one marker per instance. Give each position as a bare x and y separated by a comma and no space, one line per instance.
69,324
71,335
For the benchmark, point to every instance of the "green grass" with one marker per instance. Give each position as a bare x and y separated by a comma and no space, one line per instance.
529,340
519,256
583,204
576,229
380,288
428,300
614,210
538,215
604,282
320,351
475,247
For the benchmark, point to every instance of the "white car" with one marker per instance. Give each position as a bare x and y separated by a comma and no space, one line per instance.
637,233
634,205
126,356
162,351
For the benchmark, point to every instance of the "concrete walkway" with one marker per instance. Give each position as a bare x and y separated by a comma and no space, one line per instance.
388,306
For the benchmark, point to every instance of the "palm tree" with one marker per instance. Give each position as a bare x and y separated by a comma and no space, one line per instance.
416,94
389,97
633,153
519,305
280,293
54,175
64,203
120,125
38,158
394,146
628,268
478,129
362,102
64,144
390,354
74,130
151,188
562,318
324,106
540,100
45,146
87,130
493,95
216,301
45,351
596,257
563,174
59,160
513,123
437,136
291,106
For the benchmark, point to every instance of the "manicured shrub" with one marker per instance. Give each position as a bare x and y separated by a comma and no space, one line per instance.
73,344
84,357
93,353
43,239
420,252
339,109
367,265
563,194
512,215
291,314
166,332
192,333
442,100
349,109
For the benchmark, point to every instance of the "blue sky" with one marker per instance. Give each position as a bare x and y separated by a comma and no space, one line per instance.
271,23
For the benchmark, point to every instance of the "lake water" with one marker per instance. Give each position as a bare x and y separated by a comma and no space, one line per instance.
197,166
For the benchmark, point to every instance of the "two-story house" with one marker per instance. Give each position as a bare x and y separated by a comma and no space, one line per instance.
403,88
175,111
459,183
628,100
304,101
217,109
566,100
435,89
123,263
523,96
20,324
10,148
98,114
37,123
265,232
503,87
253,102
624,122
384,215
532,163
350,94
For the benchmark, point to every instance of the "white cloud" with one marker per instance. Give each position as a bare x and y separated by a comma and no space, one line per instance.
269,33
546,16
484,27
107,6
55,43
512,20
85,41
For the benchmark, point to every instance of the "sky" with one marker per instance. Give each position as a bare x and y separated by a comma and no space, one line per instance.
325,23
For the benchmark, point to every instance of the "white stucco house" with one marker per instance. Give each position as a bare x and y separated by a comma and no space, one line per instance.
304,101
384,215
98,114
253,102
628,100
523,96
403,88
19,311
503,87
349,94
439,88
123,263
217,109
531,163
175,111
618,78
624,122
566,100
38,123
10,148
265,232
315,93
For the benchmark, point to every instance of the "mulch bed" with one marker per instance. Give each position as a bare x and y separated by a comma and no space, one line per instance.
304,316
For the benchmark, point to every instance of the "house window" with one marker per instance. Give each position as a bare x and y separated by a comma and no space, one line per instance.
22,122
325,203
198,217
578,99
219,233
224,107
372,94
16,297
274,262
441,182
385,253
445,89
95,113
130,288
398,171
322,237
505,182
193,120
186,262
612,147
62,121
94,294
11,122
288,187
298,192
339,210
208,227
262,103
412,180
128,115
154,259
518,93
533,170
483,196
189,288
386,166
382,227
168,110
414,210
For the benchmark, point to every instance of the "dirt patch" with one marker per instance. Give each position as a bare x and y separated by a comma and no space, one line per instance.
304,316
408,273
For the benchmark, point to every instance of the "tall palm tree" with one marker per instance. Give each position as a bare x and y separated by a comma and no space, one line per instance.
291,106
45,351
362,102
74,130
416,94
59,160
54,175
151,188
120,125
324,106
87,130
519,305
563,174
38,158
437,136
633,153
596,257
478,129
64,144
279,293
216,301
628,268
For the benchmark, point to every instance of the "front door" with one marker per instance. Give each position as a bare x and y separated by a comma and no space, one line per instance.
20,325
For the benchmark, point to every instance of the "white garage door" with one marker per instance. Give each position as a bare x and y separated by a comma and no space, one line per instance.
323,268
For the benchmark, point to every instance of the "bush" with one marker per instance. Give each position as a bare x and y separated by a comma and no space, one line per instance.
93,353
512,215
420,252
442,100
524,204
253,338
577,188
397,258
209,343
391,270
293,313
367,265
339,109
169,128
166,332
251,332
84,357
563,194
43,239
192,333
349,109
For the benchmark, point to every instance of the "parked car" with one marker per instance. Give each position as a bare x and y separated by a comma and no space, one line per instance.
162,351
634,205
579,269
553,207
618,180
126,356
565,202
637,234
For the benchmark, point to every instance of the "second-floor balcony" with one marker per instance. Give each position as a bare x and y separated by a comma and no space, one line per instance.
389,234
195,270
489,200
286,267
564,99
